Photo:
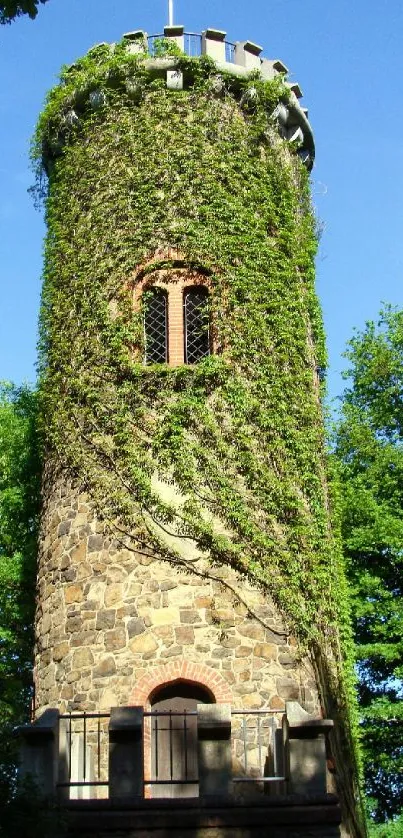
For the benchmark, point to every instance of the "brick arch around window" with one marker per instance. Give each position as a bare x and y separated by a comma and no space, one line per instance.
170,273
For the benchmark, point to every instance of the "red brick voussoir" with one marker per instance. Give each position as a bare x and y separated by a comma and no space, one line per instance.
183,670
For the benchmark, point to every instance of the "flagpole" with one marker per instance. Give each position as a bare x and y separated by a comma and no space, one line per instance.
170,13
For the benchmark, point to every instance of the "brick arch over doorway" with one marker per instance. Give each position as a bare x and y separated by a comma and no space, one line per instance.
180,670
161,676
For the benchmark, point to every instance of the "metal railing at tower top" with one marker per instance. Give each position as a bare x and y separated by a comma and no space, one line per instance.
192,45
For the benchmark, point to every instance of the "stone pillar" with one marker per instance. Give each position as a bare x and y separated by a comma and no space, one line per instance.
295,89
175,34
126,752
136,41
271,68
305,750
247,55
39,752
214,748
213,44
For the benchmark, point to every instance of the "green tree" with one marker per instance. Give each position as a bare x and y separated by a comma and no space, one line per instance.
10,9
19,507
370,454
392,829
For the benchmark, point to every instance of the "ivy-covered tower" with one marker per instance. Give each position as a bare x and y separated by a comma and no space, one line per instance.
187,546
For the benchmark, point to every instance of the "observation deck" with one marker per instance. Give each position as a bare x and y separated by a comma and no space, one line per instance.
240,59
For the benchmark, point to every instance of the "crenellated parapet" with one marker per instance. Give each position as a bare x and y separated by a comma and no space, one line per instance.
173,57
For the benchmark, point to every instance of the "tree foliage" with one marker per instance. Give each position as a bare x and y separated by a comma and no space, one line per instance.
19,506
370,451
10,9
391,829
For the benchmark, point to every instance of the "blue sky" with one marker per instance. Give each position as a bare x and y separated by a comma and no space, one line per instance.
348,59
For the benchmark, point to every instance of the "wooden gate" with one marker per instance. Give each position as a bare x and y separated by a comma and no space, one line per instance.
174,767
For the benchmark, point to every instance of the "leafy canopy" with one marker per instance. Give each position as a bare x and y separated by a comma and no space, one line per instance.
19,506
370,452
10,9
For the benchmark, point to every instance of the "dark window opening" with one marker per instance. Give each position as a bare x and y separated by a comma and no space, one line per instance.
156,326
196,323
184,691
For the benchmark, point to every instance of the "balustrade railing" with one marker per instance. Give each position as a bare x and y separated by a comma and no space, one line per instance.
192,45
131,753
173,743
257,746
83,753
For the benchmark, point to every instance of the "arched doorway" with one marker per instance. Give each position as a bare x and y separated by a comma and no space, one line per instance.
174,738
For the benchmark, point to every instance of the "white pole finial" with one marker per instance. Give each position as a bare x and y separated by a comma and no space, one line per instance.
170,12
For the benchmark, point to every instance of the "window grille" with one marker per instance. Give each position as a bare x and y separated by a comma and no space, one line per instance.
155,326
196,322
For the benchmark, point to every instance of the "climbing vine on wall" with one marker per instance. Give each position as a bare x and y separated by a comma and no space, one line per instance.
136,172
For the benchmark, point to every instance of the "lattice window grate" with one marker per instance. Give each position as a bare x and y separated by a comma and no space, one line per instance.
196,316
155,327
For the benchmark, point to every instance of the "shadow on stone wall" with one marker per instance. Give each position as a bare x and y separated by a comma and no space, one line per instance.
215,818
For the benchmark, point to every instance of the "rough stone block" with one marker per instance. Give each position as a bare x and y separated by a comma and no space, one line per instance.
171,652
46,623
185,635
252,630
115,639
82,658
95,543
73,593
105,667
287,688
135,627
253,701
113,594
60,651
168,585
268,651
105,620
189,616
276,703
143,644
164,616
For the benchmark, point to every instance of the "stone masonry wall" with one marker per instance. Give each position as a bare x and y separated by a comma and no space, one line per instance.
112,625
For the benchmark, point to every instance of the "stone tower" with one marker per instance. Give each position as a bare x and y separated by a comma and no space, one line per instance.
186,549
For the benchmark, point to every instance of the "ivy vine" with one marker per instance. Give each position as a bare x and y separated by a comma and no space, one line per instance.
135,170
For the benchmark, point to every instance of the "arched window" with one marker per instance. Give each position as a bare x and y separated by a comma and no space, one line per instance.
196,324
156,326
